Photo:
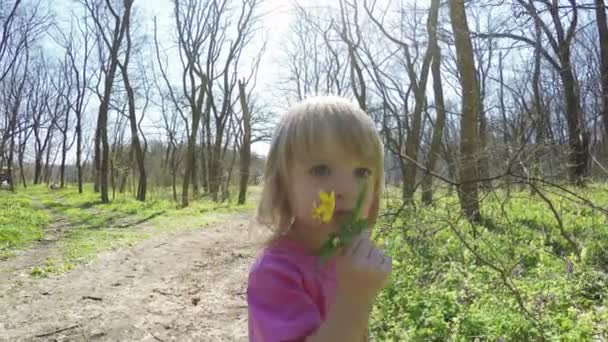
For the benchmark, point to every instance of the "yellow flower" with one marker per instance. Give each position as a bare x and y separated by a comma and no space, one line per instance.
325,210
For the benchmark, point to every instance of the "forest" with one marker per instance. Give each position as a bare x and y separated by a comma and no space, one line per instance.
130,127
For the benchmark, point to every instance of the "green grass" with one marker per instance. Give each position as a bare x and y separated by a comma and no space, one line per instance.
20,222
97,227
442,291
83,244
95,213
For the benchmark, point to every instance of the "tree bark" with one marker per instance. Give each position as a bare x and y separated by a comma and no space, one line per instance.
427,182
577,164
602,27
97,160
468,189
64,149
118,34
20,157
9,164
190,155
46,176
135,142
245,158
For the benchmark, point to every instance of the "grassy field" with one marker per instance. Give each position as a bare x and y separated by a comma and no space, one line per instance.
531,272
93,227
20,222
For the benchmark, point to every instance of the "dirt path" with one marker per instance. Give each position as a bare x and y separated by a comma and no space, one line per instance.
189,286
15,271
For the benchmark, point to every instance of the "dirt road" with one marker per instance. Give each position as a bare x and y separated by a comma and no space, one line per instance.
189,286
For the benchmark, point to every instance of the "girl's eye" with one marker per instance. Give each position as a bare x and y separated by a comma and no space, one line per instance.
320,170
362,172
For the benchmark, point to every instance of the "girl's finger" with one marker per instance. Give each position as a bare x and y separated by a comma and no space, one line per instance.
355,245
383,259
365,248
374,252
387,264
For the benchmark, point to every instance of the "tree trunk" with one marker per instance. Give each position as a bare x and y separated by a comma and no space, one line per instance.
97,160
52,167
245,158
215,167
467,191
135,143
20,160
602,27
412,141
63,157
113,46
190,155
11,154
503,114
47,168
539,118
174,173
225,188
204,164
112,179
208,145
484,160
427,182
196,191
38,168
79,152
577,167
102,124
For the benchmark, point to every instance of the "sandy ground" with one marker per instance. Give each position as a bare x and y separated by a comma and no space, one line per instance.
188,286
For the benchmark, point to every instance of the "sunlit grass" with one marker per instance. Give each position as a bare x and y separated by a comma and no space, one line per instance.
442,291
21,222
96,227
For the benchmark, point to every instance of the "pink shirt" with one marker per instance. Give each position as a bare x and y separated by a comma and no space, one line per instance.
289,293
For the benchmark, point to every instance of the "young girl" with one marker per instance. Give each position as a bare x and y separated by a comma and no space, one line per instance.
324,144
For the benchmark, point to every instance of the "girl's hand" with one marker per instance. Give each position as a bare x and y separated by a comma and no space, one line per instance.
362,270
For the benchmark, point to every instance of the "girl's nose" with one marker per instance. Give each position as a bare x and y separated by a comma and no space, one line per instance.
345,187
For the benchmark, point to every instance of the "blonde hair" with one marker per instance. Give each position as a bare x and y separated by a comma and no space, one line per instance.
304,129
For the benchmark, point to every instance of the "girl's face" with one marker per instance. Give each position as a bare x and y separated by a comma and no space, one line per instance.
329,170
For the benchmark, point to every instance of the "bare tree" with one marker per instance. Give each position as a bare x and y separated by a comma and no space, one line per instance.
253,127
353,41
602,28
246,26
418,84
193,23
171,110
427,183
21,24
317,55
76,43
104,15
560,40
136,145
63,87
468,191
13,96
44,106
7,60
